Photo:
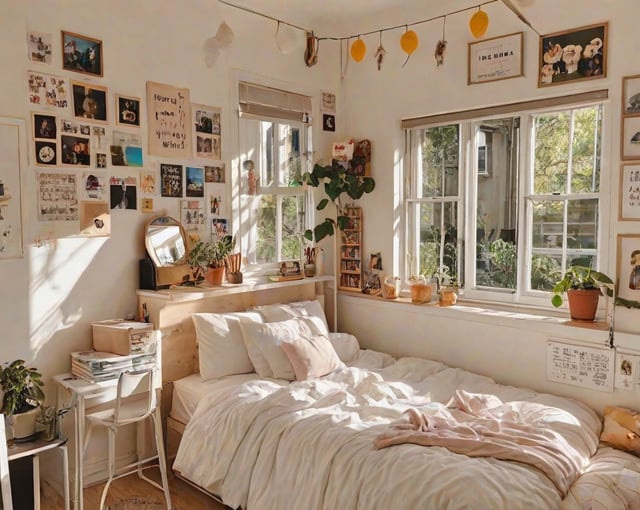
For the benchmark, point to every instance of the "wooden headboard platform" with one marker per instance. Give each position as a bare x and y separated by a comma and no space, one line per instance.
170,312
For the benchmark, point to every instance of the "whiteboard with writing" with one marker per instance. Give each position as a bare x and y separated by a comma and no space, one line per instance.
169,115
590,367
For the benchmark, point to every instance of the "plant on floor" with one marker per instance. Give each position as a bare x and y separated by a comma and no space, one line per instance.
22,387
338,182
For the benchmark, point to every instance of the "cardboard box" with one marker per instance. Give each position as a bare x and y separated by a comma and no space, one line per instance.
123,337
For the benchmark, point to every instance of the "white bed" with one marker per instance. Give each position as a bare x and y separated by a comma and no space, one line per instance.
269,443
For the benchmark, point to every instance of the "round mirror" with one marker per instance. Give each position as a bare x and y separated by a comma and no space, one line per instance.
166,242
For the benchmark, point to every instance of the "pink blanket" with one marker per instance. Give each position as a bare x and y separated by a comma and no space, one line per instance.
482,426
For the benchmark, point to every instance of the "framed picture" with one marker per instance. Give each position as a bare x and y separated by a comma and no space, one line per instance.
81,54
46,153
170,180
74,150
628,267
631,95
44,126
630,138
573,55
494,59
39,44
89,101
629,192
128,110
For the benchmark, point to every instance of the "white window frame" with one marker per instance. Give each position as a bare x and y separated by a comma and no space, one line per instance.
467,206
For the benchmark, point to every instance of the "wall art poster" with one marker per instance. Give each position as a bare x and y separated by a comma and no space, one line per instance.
146,205
95,185
58,197
495,59
206,125
75,150
169,118
123,193
44,126
628,266
126,149
95,219
215,205
89,101
12,142
219,228
39,45
171,180
192,214
630,192
48,90
214,173
195,181
148,182
81,54
128,110
46,153
74,127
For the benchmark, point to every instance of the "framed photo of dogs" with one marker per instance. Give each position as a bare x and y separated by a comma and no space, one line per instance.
573,55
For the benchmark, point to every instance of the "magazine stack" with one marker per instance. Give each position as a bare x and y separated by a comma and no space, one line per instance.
97,366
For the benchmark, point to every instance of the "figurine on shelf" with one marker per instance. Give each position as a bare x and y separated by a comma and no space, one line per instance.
373,285
252,179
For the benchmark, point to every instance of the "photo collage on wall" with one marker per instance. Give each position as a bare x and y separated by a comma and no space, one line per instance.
85,139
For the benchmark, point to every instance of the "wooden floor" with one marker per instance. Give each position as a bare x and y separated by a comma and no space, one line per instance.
126,491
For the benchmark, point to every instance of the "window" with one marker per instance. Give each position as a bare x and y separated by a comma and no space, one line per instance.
274,139
507,203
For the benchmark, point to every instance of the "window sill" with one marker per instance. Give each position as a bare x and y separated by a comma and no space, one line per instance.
485,312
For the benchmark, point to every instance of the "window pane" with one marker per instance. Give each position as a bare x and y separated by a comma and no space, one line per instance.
585,167
439,163
438,237
292,227
265,219
582,226
497,199
545,271
552,133
548,228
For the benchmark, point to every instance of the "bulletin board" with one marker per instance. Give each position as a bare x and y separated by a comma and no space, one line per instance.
589,367
169,115
12,161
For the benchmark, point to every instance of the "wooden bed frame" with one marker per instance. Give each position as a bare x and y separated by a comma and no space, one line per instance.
170,312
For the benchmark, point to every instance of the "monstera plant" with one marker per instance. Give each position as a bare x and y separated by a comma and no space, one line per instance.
340,186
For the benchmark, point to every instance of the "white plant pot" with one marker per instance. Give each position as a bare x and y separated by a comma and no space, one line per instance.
24,424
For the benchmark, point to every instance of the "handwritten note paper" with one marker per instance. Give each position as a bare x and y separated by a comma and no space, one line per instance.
578,365
169,114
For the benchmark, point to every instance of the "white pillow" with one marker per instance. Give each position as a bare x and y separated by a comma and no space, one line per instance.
264,340
284,311
311,357
346,346
221,347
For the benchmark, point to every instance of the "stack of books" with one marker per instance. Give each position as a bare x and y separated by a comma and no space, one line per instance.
97,366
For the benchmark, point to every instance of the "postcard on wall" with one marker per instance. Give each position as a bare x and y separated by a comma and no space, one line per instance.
148,182
627,375
39,46
146,205
11,134
100,138
128,110
169,118
628,266
95,185
89,101
206,131
630,192
48,90
45,126
95,219
195,181
192,214
126,149
74,127
101,160
215,205
170,180
46,153
214,173
123,193
75,150
219,228
58,197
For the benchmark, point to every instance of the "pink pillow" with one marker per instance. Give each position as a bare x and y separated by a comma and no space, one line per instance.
311,357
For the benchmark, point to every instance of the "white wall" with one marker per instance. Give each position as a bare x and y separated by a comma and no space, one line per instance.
49,298
375,102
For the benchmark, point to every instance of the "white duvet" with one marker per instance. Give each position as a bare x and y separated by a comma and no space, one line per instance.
274,445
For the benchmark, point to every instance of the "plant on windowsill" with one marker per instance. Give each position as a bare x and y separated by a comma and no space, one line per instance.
23,395
583,287
207,259
339,185
447,286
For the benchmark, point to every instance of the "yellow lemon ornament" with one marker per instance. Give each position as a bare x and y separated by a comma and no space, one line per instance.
479,23
358,50
409,42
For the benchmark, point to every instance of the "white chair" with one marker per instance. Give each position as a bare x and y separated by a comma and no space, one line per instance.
135,402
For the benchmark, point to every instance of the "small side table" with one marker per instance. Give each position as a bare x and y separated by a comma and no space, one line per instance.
34,449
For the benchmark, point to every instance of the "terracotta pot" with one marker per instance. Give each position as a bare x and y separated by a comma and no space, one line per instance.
234,277
448,296
583,303
420,292
214,275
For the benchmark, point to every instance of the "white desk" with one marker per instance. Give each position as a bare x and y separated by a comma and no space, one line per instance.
34,449
80,391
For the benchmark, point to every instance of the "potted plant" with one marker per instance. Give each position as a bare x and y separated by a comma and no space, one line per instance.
447,285
207,259
309,261
583,287
339,185
22,396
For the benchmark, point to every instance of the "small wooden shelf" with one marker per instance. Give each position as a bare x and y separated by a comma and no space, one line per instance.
350,252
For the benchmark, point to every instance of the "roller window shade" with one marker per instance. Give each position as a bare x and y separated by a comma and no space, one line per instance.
257,101
505,109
